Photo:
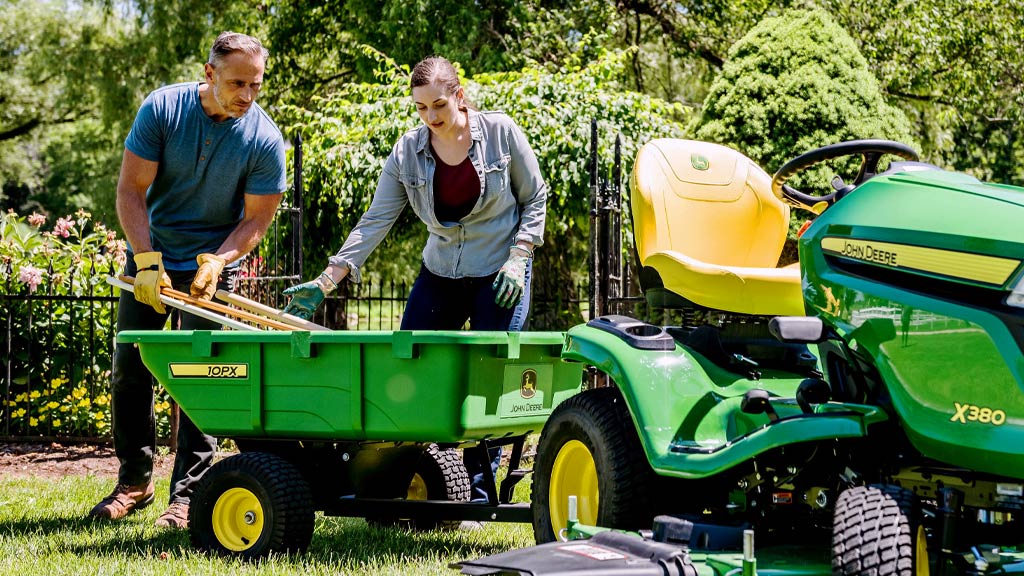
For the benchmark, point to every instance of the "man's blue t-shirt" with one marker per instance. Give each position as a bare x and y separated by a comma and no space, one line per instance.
205,170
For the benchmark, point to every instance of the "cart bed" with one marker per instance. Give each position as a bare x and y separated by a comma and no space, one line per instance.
416,386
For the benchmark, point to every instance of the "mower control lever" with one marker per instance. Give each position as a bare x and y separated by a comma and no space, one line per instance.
757,401
798,329
810,392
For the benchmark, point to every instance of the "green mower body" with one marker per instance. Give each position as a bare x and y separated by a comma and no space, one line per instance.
886,423
931,257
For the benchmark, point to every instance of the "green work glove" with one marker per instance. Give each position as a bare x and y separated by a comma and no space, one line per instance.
205,283
511,278
149,278
306,298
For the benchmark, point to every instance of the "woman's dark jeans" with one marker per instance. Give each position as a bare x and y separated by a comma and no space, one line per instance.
438,303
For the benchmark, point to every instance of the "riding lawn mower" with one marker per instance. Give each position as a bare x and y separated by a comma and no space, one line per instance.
859,412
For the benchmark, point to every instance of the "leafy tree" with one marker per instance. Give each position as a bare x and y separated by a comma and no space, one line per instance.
957,68
72,76
43,86
350,134
320,44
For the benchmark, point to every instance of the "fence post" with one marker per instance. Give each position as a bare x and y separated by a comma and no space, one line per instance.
596,300
297,208
616,288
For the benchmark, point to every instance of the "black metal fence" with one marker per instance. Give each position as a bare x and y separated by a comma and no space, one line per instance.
56,357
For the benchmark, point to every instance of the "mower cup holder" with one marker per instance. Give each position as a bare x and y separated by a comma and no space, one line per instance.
637,334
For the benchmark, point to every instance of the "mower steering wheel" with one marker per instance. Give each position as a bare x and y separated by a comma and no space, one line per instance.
871,151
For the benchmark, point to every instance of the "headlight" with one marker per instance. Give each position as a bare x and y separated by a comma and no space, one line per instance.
1016,297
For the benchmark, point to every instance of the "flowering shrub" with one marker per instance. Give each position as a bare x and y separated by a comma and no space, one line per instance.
61,409
62,314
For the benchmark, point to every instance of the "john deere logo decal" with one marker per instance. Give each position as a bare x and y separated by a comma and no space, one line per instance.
524,390
528,384
981,268
699,162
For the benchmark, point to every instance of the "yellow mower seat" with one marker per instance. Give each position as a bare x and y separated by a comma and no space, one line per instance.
706,221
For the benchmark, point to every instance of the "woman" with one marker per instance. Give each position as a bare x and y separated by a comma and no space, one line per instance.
473,180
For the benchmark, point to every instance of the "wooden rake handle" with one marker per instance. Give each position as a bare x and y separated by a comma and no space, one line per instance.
259,308
194,310
213,306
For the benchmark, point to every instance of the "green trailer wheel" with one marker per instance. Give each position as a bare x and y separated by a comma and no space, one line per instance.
877,530
237,519
590,449
440,475
250,505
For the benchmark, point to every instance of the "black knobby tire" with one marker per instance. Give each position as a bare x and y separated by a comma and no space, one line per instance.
600,420
442,474
876,530
273,492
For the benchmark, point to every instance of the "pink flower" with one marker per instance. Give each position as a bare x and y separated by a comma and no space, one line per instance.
37,219
120,252
30,275
63,227
111,243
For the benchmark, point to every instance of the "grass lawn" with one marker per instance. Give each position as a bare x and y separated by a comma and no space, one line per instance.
44,530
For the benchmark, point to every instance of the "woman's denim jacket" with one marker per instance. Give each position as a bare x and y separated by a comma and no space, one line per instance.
511,207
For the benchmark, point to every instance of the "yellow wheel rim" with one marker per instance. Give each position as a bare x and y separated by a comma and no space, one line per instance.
573,474
417,488
237,519
921,553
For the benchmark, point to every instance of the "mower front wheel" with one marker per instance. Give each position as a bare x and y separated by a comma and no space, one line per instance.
877,530
589,449
250,505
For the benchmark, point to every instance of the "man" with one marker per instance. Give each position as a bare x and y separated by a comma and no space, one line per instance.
201,178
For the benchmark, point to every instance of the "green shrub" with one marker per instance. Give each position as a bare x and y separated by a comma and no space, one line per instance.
794,83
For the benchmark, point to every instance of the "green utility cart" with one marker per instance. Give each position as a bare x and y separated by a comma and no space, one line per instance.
354,423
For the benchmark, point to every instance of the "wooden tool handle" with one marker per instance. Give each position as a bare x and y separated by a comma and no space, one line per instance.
124,283
259,308
209,305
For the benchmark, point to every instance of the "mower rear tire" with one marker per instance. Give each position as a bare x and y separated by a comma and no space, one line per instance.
877,530
250,505
589,449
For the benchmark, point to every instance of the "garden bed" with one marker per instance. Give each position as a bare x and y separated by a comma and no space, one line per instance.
53,460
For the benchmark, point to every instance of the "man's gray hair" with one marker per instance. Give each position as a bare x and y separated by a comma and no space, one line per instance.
229,42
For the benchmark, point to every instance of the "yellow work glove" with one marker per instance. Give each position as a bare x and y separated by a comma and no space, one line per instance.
149,278
205,283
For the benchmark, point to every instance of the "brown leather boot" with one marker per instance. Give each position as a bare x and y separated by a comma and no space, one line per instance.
123,501
176,516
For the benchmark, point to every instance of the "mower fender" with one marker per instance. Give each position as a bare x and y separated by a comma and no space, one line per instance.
686,409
